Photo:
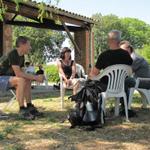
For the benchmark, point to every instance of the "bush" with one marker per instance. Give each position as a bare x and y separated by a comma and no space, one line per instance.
52,73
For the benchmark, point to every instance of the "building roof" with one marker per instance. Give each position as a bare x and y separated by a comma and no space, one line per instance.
53,15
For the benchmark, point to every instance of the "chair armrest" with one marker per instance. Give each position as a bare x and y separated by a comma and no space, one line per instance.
86,76
140,79
99,76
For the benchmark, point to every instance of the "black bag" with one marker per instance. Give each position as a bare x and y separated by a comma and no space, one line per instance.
88,110
86,115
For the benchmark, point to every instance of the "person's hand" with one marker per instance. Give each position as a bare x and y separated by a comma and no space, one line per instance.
68,83
40,78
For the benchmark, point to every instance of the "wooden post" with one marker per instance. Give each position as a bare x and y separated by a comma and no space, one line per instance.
1,38
71,38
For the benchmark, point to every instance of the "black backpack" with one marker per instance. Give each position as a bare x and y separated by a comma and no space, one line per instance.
88,110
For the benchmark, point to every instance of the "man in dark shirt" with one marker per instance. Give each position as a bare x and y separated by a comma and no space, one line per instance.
40,71
12,75
114,55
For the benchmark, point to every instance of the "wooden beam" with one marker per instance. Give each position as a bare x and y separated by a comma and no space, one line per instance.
13,18
71,38
24,10
72,21
1,38
29,11
43,25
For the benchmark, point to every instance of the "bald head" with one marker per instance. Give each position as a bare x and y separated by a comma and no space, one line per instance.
114,38
115,35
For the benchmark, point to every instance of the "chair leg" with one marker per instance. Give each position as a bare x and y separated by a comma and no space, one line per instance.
101,108
62,93
117,102
126,107
145,97
103,97
130,97
11,100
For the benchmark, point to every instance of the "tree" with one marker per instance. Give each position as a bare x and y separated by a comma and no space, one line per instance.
145,52
102,26
45,43
133,30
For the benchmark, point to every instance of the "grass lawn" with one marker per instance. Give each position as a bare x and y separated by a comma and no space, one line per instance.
49,133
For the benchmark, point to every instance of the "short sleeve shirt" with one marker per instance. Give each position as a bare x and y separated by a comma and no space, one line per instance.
12,59
113,57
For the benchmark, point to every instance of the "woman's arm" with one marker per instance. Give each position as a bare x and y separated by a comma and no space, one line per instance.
61,70
73,70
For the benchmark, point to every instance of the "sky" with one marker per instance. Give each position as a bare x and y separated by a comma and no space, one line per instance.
139,9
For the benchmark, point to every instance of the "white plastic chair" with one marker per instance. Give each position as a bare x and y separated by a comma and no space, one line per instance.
116,85
12,99
80,72
145,93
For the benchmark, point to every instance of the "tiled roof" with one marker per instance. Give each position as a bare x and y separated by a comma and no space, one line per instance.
60,11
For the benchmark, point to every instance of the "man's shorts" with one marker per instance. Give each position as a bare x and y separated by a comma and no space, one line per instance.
4,83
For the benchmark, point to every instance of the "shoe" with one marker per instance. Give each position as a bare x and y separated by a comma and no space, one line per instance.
25,114
33,110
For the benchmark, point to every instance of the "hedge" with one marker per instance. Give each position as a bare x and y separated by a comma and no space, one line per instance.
52,73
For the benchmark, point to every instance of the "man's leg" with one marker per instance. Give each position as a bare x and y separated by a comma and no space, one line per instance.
19,84
129,83
28,91
31,108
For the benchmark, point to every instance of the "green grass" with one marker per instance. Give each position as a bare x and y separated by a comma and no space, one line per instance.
49,133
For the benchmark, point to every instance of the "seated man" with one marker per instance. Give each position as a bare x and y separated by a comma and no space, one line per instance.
12,75
114,55
40,71
140,66
67,68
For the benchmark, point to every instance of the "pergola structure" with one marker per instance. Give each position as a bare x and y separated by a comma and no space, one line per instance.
81,26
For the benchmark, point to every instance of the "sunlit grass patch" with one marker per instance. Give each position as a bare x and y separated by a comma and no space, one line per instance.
52,132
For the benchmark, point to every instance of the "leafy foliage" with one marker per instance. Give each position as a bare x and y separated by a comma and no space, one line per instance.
45,43
52,73
103,25
3,9
145,52
41,6
136,31
133,30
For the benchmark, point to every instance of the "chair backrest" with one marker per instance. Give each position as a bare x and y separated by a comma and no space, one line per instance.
80,71
116,78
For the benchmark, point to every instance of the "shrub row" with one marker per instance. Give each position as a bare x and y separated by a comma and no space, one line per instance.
52,73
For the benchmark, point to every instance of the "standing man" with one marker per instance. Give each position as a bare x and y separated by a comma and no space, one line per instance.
12,75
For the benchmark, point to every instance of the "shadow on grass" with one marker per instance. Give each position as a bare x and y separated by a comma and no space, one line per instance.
111,136
52,131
